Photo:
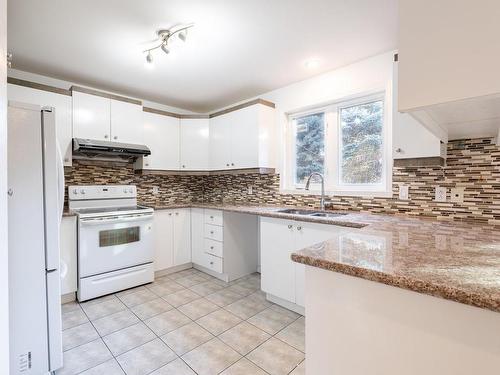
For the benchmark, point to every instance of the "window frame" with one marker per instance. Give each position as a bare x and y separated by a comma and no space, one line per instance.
333,150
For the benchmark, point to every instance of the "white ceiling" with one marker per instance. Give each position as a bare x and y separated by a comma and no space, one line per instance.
237,50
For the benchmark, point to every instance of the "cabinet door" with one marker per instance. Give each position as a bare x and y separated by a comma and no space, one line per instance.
163,239
245,137
91,117
194,144
182,236
309,234
68,243
63,107
161,135
126,122
277,269
197,243
220,142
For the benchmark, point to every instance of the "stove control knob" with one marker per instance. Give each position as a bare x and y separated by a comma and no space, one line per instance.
75,191
130,190
124,190
82,191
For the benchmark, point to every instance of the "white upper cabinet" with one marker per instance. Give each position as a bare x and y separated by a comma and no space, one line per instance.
105,119
161,135
194,144
242,138
91,117
62,105
126,122
448,66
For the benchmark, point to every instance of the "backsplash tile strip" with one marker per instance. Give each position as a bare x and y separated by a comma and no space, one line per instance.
472,164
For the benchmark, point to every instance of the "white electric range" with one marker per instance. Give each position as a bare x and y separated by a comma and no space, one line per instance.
115,248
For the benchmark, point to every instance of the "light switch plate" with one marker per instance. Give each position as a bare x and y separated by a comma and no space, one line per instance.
440,194
457,195
250,189
156,190
403,192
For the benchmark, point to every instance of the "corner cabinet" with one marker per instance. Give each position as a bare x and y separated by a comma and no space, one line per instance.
172,238
101,118
282,279
161,135
63,107
243,138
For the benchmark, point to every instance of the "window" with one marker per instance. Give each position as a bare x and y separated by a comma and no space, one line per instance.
346,142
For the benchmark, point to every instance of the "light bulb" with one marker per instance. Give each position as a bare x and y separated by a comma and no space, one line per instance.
165,49
182,35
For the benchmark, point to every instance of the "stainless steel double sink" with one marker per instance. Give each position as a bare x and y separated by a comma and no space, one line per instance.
293,211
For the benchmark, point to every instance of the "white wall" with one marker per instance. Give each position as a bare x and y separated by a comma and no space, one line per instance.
14,73
4,261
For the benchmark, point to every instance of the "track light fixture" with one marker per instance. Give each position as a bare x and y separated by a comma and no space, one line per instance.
164,36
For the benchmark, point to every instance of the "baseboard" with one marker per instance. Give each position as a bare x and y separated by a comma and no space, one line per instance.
168,271
220,276
286,304
68,297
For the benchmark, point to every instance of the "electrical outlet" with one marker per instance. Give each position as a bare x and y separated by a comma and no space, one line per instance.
156,190
250,189
457,195
403,192
440,194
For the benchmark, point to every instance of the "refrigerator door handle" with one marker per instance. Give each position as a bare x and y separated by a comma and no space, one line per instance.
60,178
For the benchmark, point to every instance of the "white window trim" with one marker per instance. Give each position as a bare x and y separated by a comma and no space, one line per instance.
333,150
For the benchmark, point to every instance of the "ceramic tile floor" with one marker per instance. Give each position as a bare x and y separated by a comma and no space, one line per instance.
185,323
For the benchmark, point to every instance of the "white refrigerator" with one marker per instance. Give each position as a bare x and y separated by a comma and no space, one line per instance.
35,204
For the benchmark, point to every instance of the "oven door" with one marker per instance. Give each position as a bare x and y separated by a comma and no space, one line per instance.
113,243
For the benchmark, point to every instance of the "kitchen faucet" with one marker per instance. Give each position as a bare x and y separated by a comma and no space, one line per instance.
322,201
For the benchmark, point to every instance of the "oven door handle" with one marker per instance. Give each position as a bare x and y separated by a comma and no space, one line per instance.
115,220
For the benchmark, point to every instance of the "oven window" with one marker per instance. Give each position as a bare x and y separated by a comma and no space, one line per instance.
114,237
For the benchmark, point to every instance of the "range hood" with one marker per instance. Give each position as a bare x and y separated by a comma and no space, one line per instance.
95,149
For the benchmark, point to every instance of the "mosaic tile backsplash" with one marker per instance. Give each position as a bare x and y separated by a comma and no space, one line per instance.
472,164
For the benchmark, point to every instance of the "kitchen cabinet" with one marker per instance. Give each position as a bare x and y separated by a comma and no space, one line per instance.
161,135
242,138
281,277
224,244
105,119
63,110
126,122
68,246
410,139
172,238
449,77
194,144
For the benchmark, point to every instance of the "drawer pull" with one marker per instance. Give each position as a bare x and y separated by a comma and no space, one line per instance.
290,226
212,262
211,247
299,228
211,217
211,232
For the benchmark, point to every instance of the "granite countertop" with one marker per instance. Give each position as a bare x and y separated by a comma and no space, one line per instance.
447,259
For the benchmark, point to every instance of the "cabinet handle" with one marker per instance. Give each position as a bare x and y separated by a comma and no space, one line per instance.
115,137
169,214
399,150
183,166
211,232
177,213
290,226
212,263
147,164
227,165
232,164
211,217
299,228
105,136
211,247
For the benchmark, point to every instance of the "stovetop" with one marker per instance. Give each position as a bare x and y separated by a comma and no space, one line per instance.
112,211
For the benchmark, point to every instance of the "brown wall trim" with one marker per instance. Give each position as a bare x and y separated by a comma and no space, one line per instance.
436,161
160,112
38,86
172,114
243,105
86,90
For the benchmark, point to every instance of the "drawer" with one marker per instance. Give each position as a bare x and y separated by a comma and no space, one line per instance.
213,247
213,263
214,217
214,232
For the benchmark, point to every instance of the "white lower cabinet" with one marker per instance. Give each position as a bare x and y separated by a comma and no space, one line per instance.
172,238
281,277
68,244
226,244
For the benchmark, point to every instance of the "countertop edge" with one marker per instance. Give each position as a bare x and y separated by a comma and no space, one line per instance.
413,284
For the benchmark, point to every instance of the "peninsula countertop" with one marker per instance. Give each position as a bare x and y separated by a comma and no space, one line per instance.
453,260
